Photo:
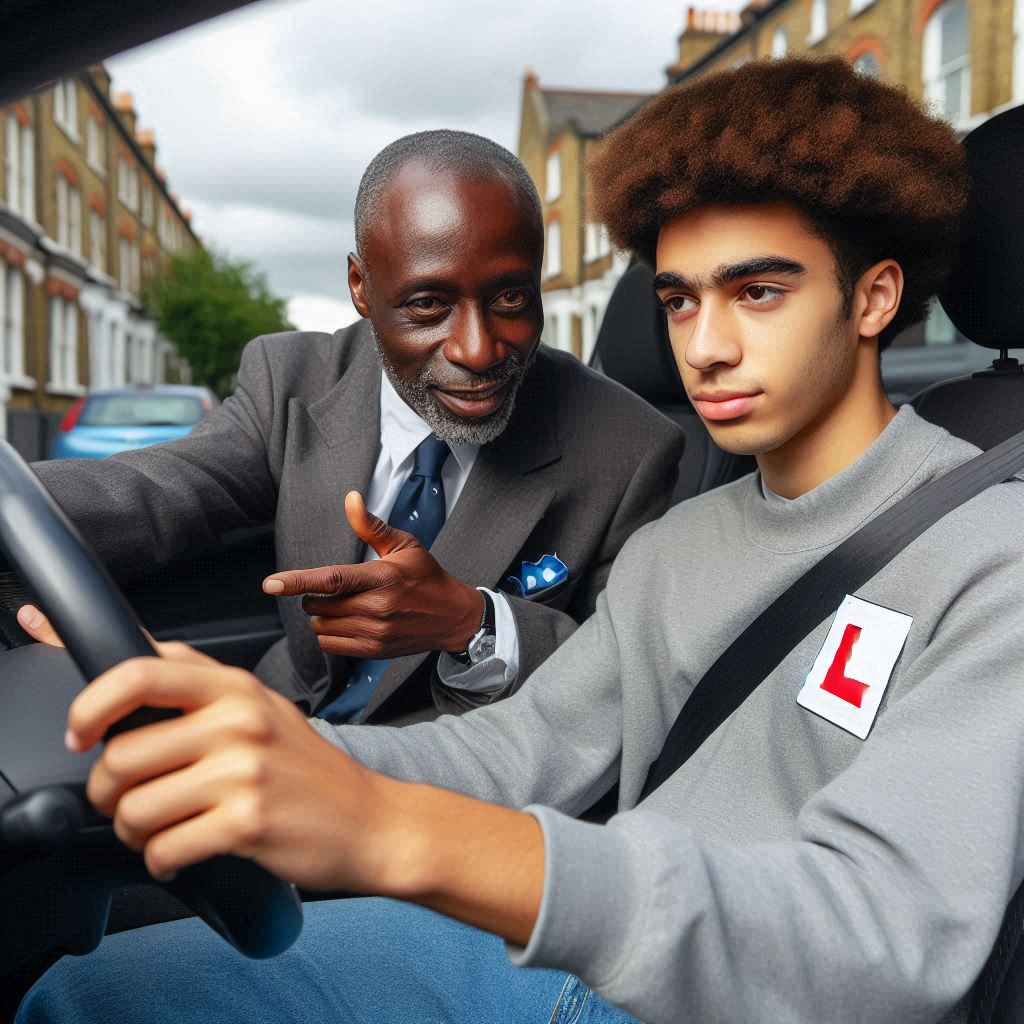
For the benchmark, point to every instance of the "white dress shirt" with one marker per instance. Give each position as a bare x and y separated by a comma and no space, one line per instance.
401,432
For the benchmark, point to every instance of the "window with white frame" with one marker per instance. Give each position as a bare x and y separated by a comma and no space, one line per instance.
97,241
147,206
69,215
19,168
779,43
947,60
550,334
136,275
124,264
63,343
12,163
94,154
597,244
819,21
116,350
553,184
12,322
553,250
127,183
856,6
28,173
938,328
65,106
867,64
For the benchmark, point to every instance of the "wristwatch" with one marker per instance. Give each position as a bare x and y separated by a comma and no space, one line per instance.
482,643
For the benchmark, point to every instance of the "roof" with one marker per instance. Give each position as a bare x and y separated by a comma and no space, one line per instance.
590,113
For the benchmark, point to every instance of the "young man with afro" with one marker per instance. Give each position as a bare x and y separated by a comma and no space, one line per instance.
797,216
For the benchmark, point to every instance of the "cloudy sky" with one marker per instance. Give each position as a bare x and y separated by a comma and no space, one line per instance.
266,117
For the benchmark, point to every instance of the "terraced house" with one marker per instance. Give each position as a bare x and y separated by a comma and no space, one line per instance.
85,218
966,57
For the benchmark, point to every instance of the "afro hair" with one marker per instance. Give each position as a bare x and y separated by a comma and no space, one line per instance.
873,172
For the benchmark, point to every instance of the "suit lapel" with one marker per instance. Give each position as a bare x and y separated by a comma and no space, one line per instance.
501,503
347,424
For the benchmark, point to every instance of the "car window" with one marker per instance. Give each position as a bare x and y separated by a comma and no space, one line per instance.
141,411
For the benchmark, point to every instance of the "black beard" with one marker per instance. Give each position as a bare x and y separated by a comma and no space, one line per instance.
448,425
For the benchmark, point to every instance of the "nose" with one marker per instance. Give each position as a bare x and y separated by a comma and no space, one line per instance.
471,342
713,340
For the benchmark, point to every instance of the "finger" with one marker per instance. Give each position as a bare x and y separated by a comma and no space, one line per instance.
177,650
358,642
38,626
368,602
327,579
131,758
160,803
148,682
190,842
384,539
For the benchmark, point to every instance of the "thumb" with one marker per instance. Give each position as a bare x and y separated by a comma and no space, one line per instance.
37,625
373,531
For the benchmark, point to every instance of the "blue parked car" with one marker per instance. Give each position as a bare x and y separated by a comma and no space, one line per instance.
119,419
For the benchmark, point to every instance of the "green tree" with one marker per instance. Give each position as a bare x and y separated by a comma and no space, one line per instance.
209,306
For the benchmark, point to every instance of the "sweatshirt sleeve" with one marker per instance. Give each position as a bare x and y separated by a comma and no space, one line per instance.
883,908
534,746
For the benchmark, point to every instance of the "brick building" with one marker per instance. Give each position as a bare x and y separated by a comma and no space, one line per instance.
557,129
966,57
85,218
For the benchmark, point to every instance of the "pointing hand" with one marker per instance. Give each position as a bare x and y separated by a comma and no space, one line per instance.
402,603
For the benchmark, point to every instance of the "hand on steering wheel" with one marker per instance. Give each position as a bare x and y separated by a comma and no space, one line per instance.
252,909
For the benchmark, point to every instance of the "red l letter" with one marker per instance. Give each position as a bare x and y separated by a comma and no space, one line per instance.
837,682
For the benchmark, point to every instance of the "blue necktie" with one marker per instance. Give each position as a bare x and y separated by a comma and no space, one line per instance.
419,510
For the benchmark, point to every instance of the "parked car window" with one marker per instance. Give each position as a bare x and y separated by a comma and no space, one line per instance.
140,411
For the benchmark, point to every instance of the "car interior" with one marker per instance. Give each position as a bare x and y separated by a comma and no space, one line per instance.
57,873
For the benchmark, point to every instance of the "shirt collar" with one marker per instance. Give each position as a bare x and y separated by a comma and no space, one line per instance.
402,430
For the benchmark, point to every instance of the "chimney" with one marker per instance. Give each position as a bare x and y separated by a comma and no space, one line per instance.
530,79
147,143
703,30
125,107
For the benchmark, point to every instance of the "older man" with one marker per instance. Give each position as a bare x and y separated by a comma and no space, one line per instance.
442,410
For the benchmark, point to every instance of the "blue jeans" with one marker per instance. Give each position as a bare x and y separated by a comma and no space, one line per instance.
359,961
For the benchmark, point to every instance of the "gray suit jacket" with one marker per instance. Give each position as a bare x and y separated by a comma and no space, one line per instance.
582,464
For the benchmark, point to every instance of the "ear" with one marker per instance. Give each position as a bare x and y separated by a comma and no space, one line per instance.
357,281
877,298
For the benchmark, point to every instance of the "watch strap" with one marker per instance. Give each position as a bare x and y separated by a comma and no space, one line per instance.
488,627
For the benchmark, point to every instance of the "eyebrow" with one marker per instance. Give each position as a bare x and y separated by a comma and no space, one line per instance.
443,284
756,266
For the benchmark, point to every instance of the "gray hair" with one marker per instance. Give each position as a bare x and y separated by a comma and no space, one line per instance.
467,155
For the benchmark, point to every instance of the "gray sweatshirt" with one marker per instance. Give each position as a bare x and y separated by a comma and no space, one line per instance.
789,871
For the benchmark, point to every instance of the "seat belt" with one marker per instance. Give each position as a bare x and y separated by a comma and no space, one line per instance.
752,657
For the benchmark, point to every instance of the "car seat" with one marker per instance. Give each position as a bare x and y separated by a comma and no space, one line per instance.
632,348
986,302
982,296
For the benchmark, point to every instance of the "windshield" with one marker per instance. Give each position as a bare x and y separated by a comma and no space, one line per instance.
141,411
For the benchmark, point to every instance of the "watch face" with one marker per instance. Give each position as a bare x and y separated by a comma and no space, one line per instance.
481,647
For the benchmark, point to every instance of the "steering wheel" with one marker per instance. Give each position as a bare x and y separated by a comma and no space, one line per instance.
259,914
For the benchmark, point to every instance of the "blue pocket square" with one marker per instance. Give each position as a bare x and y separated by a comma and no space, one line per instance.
548,571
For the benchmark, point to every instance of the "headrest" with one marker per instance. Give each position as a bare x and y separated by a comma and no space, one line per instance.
982,296
632,344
